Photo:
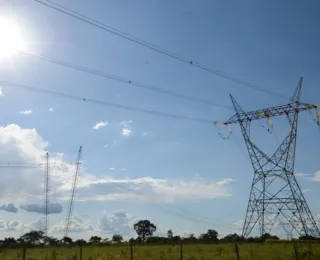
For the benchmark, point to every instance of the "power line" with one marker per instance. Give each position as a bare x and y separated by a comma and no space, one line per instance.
151,46
123,80
103,103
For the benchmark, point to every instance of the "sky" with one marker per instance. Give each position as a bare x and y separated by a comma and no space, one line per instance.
179,174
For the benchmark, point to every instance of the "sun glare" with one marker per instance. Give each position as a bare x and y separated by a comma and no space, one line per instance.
11,39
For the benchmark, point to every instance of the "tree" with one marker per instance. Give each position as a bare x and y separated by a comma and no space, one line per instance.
266,236
95,239
117,238
8,242
52,241
191,238
33,237
80,242
106,240
144,229
67,240
232,238
170,234
211,235
307,237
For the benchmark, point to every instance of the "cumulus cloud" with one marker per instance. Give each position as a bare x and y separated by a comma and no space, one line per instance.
53,208
1,92
37,224
225,181
100,125
317,218
316,177
51,109
26,112
28,147
9,208
19,226
126,132
76,224
118,222
11,225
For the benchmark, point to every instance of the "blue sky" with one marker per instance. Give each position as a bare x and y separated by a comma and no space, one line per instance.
182,163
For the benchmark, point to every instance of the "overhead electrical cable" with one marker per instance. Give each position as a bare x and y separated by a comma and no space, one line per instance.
100,102
123,80
151,46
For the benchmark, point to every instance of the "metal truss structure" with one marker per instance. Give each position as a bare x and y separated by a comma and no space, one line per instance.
275,193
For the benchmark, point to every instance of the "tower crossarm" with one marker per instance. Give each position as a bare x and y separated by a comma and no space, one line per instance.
287,109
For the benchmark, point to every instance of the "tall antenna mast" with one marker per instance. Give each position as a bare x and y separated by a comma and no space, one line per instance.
74,185
46,199
275,193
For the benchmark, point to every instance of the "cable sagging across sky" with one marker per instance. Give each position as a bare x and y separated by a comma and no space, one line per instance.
124,80
103,103
153,47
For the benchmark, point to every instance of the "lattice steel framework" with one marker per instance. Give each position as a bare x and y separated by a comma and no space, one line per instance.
275,193
46,197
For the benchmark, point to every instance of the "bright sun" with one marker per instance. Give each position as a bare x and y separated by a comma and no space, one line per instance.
11,40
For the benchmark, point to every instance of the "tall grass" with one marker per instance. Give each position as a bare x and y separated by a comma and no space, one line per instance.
267,251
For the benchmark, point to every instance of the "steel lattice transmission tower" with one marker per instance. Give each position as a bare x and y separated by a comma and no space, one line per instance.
275,193
46,197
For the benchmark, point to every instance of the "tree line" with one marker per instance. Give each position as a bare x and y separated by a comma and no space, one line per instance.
144,229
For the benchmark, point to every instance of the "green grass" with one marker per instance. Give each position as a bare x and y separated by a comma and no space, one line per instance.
169,252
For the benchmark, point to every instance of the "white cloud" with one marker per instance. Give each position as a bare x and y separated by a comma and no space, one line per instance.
27,146
11,225
302,174
1,92
316,177
123,169
59,154
152,190
118,222
126,132
51,109
106,145
225,181
76,224
317,218
100,125
26,112
111,169
37,224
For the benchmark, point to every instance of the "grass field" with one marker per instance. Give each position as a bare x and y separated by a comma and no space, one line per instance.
169,252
